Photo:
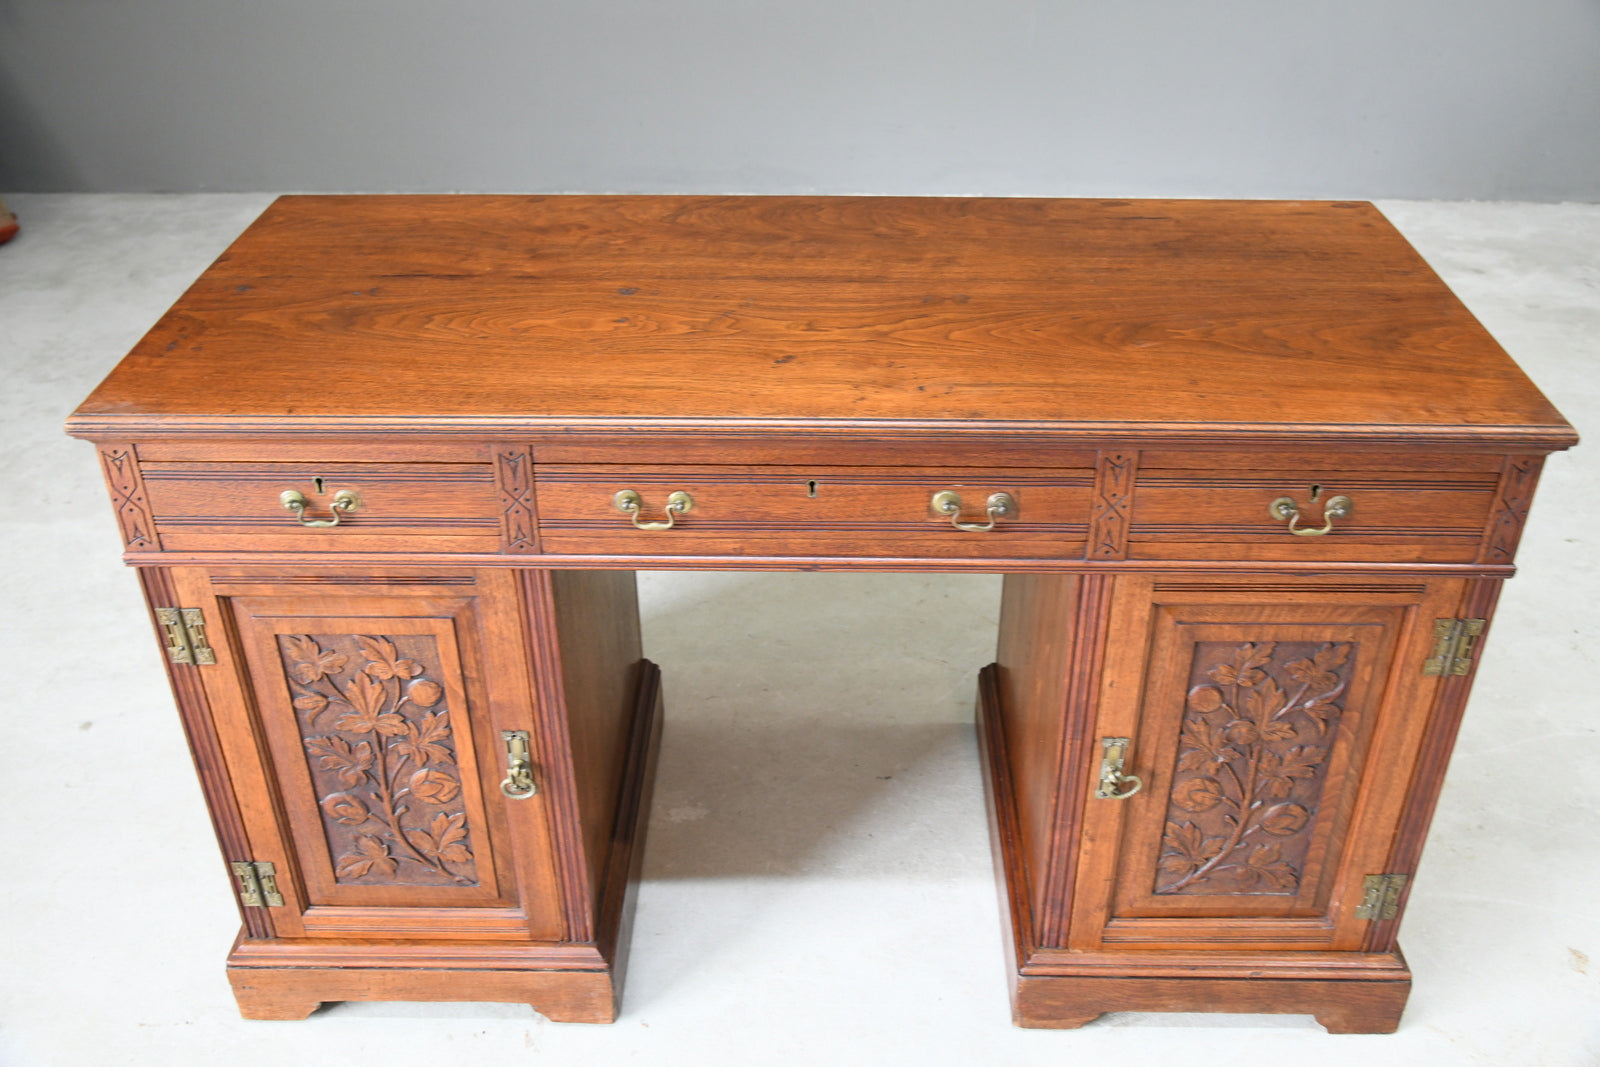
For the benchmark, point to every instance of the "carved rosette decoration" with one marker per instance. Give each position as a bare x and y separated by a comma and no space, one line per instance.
378,742
1251,761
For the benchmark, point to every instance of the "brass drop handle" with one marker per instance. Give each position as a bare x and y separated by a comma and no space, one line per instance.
949,503
1284,507
1113,750
518,783
629,502
343,501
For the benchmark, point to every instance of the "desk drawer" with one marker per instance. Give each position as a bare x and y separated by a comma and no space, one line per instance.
1392,514
807,511
400,507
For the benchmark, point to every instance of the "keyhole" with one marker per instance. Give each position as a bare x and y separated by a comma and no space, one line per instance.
318,483
811,488
1316,491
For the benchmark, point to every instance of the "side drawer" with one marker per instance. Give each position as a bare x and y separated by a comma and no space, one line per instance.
879,512
400,507
1225,509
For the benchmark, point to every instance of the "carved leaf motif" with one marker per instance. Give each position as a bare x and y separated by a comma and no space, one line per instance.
424,742
367,699
371,855
444,839
434,786
311,703
350,764
1249,790
1187,848
385,661
310,662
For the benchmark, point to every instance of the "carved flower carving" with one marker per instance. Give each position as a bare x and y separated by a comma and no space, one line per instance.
387,767
1242,769
1197,794
1285,819
344,808
436,787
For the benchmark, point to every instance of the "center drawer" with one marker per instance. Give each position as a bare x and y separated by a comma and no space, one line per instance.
808,511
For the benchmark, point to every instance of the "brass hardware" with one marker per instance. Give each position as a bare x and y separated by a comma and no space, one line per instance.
1284,508
344,501
1113,750
258,884
518,783
949,503
1452,646
1380,896
628,502
186,636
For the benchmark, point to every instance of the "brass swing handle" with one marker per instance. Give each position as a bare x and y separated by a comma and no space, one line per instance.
629,503
518,783
999,505
343,501
1285,507
1113,750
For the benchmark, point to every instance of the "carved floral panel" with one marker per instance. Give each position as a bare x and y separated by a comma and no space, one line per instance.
377,735
1252,757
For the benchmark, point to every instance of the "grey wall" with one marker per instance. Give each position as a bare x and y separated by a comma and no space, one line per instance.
1277,98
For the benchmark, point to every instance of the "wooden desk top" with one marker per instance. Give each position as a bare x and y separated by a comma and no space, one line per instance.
491,314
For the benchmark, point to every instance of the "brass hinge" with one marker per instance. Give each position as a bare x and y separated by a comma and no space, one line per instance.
258,884
1452,646
186,635
1380,896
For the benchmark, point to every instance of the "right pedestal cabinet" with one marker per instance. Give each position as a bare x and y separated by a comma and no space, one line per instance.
1211,786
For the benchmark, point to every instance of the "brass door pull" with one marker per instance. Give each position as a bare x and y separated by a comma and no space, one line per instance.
949,503
344,501
1113,750
1284,508
518,783
629,503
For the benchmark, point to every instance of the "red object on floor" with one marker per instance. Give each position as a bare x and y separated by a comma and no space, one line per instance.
8,223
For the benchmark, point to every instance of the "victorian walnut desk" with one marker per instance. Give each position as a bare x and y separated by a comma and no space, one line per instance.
1253,474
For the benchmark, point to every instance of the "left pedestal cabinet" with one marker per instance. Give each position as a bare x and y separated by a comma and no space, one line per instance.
395,782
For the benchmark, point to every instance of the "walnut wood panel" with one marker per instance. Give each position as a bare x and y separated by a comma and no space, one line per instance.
807,511
600,663
623,310
1038,621
1274,752
382,810
410,508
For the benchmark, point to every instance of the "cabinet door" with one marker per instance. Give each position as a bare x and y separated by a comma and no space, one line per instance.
1275,726
362,722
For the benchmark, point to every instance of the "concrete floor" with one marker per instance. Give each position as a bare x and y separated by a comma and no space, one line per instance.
818,885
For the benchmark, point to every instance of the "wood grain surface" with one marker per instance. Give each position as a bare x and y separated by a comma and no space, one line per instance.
504,312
